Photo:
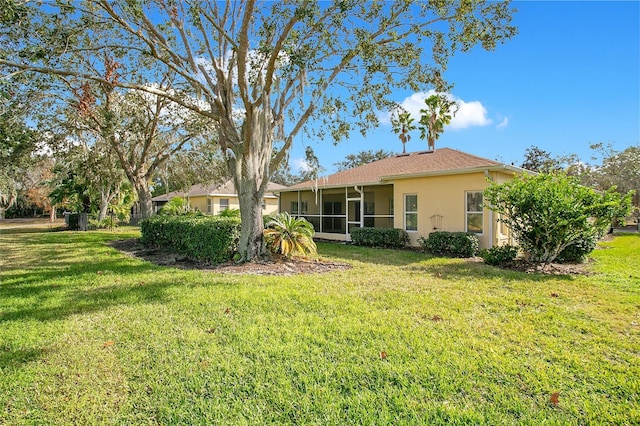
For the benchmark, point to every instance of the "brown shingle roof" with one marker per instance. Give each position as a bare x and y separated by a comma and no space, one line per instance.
440,161
214,188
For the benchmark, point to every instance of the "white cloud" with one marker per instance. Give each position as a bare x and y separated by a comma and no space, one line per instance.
300,165
504,123
469,114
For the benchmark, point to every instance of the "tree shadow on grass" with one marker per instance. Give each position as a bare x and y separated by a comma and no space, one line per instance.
57,302
470,268
442,267
10,358
374,255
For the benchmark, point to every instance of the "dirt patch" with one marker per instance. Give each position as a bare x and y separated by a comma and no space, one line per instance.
552,269
556,268
278,266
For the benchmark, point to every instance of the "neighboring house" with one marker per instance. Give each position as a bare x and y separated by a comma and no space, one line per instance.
215,197
420,192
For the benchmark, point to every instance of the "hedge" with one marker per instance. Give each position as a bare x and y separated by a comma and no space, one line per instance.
379,237
211,238
456,244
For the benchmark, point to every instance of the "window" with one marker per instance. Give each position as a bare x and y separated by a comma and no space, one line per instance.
304,207
209,206
475,216
411,212
224,204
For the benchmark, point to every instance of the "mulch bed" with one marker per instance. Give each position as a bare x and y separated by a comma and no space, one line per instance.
284,267
278,266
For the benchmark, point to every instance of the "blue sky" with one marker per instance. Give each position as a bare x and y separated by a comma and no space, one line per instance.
570,78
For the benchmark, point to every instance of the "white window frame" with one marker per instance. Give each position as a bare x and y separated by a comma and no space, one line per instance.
209,205
467,212
407,212
226,200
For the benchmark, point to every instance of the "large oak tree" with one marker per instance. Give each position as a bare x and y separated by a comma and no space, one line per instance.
262,72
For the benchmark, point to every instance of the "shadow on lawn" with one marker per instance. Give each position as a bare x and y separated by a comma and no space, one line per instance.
81,286
420,262
59,301
15,357
467,269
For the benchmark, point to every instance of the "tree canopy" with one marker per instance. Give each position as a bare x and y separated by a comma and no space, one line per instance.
539,160
363,157
17,146
259,71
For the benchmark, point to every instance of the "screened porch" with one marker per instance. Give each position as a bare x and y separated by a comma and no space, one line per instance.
335,211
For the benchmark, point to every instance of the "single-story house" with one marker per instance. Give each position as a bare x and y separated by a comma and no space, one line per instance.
420,192
212,198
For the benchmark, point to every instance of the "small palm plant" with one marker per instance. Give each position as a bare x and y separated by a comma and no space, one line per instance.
290,236
229,213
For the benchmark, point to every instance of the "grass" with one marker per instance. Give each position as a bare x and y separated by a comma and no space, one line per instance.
90,336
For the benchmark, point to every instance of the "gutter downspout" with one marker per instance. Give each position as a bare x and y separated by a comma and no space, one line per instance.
491,224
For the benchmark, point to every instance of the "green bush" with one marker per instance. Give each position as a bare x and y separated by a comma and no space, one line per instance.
455,244
106,223
379,237
549,212
209,238
578,251
500,255
175,207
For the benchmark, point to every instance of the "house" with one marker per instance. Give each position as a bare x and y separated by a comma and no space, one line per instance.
420,192
212,198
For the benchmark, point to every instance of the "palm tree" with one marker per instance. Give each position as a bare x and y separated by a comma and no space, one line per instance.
402,125
435,116
290,236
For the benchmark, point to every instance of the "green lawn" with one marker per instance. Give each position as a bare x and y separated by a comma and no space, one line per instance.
90,336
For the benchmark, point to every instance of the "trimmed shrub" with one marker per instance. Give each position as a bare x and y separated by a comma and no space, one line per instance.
379,237
454,244
500,255
579,250
209,238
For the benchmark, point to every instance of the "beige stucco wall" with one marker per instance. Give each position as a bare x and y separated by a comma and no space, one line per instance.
200,203
446,196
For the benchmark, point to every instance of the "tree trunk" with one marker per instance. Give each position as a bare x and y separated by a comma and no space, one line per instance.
251,245
144,197
250,171
104,206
